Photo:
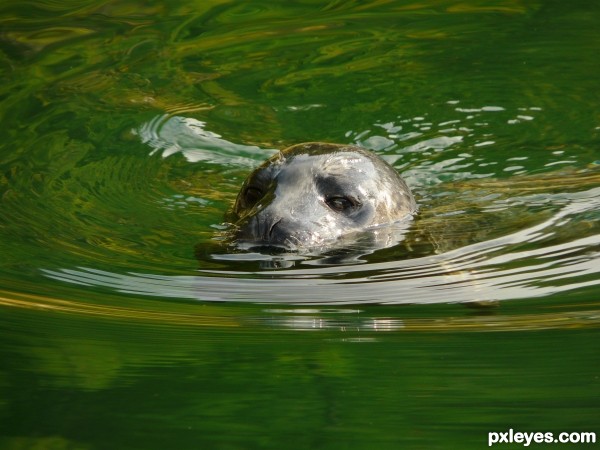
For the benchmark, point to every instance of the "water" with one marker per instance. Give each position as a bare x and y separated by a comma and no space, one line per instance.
127,131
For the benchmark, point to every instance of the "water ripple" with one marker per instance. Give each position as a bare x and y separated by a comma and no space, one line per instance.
169,135
496,269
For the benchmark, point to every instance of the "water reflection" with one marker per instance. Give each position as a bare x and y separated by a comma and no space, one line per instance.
169,135
317,319
349,323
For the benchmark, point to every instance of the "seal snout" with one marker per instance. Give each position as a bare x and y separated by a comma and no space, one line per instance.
268,232
284,232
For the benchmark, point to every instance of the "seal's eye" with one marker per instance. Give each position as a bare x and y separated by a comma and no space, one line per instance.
341,204
252,195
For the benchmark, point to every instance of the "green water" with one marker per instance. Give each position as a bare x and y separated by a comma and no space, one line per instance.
127,128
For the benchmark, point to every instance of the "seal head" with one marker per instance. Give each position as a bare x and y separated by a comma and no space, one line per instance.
313,195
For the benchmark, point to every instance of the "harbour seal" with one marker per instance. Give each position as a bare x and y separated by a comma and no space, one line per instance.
317,195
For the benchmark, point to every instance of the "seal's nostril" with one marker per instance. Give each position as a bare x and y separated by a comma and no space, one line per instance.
272,228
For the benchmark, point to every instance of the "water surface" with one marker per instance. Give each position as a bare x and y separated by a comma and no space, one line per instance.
127,131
